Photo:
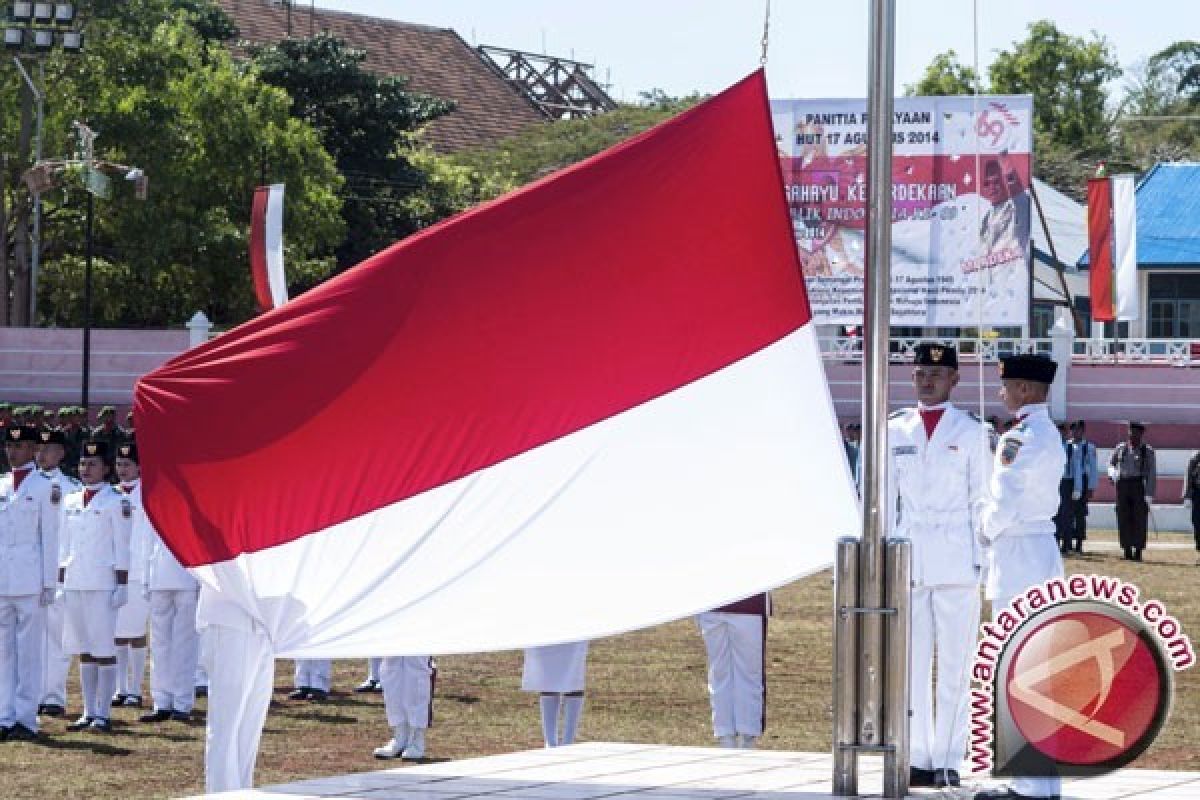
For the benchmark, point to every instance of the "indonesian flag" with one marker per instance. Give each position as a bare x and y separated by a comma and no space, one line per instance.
1112,248
590,406
266,247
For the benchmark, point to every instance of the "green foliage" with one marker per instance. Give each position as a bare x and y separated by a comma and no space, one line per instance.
945,76
1066,76
166,97
368,124
542,150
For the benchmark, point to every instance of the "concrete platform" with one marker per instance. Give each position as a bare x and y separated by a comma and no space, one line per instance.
659,772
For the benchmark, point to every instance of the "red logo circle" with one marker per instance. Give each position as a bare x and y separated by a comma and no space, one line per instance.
1086,688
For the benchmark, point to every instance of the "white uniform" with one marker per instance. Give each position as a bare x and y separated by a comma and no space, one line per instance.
174,642
314,673
56,664
29,525
95,547
407,683
558,668
1018,521
735,642
133,616
937,487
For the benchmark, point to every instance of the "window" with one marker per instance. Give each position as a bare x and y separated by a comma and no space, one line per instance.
1174,306
1042,320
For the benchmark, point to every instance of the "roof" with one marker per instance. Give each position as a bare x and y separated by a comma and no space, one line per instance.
434,61
1168,217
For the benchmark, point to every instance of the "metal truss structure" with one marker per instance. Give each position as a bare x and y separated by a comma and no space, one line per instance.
558,87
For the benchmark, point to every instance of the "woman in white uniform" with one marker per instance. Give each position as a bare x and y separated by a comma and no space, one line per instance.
559,673
134,615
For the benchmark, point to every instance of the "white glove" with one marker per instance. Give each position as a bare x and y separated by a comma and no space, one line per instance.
1076,495
1149,500
47,596
120,595
59,593
1112,474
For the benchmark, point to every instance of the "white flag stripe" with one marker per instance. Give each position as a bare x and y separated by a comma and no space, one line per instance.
723,471
1125,284
276,277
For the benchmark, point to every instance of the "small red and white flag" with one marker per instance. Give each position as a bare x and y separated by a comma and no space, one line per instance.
590,406
266,247
1112,248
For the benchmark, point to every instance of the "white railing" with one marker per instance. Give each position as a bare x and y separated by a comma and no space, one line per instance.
1161,352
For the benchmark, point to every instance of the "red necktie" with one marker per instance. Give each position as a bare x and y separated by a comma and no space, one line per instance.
930,417
88,494
18,476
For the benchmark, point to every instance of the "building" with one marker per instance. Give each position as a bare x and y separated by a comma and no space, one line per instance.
434,61
1168,254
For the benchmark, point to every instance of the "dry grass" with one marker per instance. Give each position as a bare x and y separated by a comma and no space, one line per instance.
647,686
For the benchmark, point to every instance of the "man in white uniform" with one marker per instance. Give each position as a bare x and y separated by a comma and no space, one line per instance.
938,469
55,663
735,640
28,561
95,527
133,616
408,701
1018,521
172,594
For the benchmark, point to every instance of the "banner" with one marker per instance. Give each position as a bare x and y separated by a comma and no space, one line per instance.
961,206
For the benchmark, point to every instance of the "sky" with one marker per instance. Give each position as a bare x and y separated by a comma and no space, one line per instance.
817,47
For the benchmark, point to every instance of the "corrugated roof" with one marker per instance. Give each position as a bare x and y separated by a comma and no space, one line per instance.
1168,217
434,61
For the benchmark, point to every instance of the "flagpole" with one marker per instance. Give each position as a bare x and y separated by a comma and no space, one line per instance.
877,319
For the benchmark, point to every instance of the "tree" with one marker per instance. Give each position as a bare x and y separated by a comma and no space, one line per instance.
166,96
944,76
1158,114
1066,76
370,125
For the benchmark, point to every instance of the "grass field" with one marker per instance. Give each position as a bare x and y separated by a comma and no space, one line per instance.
647,686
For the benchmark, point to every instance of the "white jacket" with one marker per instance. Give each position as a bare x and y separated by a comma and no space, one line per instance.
96,539
162,570
29,545
141,537
937,489
1025,476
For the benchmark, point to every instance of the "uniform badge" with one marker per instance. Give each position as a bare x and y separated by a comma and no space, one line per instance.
55,493
126,508
936,353
1008,453
45,437
14,433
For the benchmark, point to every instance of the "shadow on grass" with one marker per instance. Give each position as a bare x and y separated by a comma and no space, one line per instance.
92,746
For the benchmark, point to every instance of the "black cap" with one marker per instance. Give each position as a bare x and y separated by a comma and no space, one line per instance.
1028,367
128,450
1137,426
96,448
53,437
22,433
935,354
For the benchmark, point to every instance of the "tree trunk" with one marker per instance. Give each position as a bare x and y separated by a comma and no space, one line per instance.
22,208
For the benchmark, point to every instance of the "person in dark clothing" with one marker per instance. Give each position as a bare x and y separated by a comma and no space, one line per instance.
1132,469
1191,493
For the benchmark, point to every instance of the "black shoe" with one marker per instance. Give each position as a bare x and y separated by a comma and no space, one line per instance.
19,733
369,685
300,693
51,710
132,701
80,724
100,725
201,691
117,701
317,695
1008,794
157,715
181,716
920,778
946,777
4,733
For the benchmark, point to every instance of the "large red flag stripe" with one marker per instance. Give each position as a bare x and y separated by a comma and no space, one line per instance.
503,329
1100,248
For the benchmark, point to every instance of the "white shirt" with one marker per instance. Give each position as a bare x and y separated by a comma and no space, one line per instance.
96,538
937,490
1025,476
162,571
29,524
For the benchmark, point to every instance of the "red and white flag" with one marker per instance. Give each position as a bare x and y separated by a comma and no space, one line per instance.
266,247
1112,248
590,406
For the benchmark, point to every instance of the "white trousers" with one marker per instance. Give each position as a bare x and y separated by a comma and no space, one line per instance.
55,662
22,640
240,681
314,673
736,683
407,683
945,620
175,647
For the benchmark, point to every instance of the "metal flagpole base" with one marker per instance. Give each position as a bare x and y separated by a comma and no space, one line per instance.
845,661
897,646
